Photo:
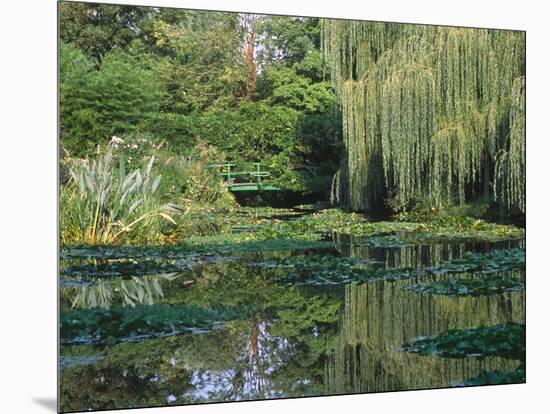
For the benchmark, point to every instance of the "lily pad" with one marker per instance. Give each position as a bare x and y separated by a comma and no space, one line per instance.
118,324
480,286
492,262
495,378
504,340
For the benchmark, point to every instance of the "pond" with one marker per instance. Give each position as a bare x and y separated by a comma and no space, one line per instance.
256,317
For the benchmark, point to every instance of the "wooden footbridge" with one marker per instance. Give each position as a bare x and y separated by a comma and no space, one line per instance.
250,178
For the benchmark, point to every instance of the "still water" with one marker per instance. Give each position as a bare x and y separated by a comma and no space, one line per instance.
283,323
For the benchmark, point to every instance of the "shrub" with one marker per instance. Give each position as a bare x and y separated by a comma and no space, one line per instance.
203,185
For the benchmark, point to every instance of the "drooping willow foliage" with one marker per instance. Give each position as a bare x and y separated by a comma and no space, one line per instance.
432,112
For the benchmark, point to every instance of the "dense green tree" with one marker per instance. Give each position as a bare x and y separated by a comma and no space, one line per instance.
288,40
98,28
203,65
119,97
289,88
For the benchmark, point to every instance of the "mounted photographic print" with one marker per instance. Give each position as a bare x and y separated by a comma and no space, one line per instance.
259,207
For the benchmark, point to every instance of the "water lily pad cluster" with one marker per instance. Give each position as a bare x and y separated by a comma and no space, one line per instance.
503,340
313,262
487,263
333,270
134,252
495,378
483,285
336,277
388,233
117,324
124,267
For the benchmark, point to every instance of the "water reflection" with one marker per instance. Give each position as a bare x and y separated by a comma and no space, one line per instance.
299,341
416,255
144,290
378,318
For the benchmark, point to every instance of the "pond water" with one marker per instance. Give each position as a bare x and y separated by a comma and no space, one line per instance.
190,326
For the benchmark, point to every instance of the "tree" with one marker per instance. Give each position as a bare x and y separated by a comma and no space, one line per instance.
96,104
427,113
203,66
98,28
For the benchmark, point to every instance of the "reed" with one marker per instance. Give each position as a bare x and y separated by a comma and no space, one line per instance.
103,205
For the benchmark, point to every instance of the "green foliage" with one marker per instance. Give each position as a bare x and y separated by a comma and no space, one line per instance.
202,65
135,148
181,79
291,41
426,208
256,131
203,184
510,165
286,87
120,96
506,340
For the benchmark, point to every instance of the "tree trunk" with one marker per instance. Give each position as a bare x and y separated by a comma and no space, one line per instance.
250,58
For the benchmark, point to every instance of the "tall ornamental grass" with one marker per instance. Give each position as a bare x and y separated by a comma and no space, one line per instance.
102,204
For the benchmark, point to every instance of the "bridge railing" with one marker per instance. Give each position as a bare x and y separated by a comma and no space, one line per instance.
229,172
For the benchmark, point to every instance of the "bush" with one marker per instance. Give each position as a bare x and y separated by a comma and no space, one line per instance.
204,185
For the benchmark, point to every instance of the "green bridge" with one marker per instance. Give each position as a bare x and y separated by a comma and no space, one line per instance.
251,178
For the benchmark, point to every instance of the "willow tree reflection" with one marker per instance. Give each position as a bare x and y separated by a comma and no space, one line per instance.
378,318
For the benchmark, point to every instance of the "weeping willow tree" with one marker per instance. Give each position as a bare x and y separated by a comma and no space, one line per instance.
430,112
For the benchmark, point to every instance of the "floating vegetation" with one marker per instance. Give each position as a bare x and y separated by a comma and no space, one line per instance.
203,250
128,266
484,285
108,326
312,231
495,378
313,262
487,263
333,270
254,242
124,267
317,225
135,253
504,340
342,276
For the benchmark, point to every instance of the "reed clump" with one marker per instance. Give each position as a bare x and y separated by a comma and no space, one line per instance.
102,204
